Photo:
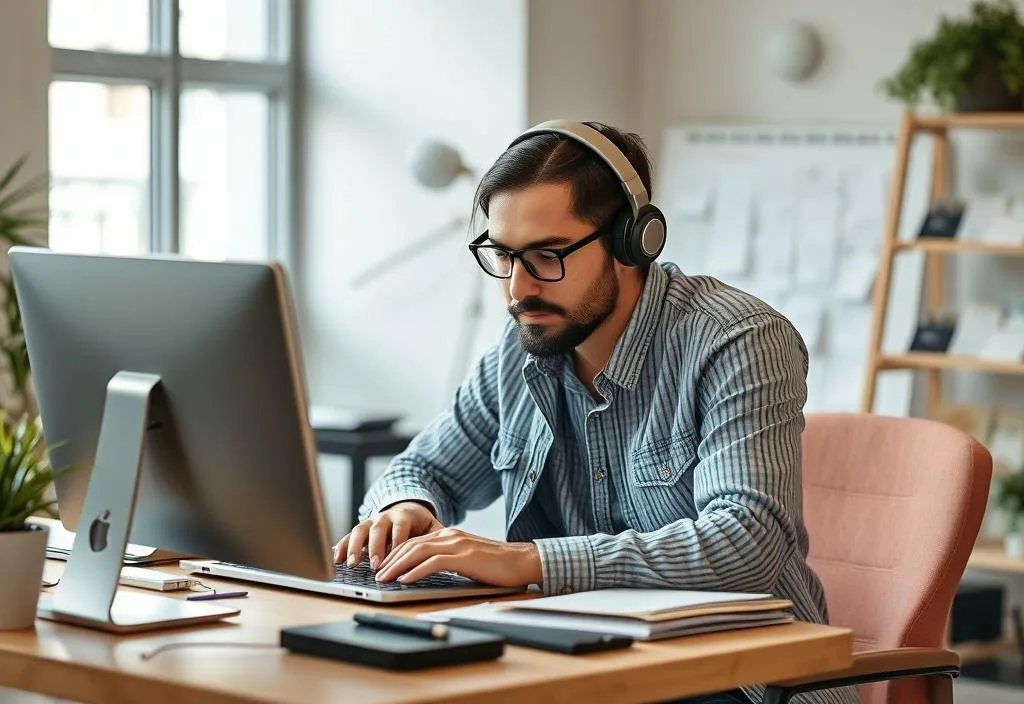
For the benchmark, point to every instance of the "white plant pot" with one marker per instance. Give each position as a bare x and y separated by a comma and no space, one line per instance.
22,554
1013,544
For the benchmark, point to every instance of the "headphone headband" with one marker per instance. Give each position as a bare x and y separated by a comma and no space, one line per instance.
636,194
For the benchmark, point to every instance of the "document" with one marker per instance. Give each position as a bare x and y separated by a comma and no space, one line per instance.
857,276
1007,227
976,324
729,249
864,213
981,211
807,314
774,240
817,238
644,614
694,203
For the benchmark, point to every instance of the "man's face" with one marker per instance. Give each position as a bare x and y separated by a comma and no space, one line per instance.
553,317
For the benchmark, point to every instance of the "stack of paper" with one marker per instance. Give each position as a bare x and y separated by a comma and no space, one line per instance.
643,614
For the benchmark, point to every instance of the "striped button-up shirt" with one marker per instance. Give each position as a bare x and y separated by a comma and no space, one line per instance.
685,474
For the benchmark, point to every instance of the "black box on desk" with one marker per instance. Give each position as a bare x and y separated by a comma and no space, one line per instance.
977,614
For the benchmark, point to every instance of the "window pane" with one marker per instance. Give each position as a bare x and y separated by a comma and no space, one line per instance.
100,25
224,29
224,174
99,167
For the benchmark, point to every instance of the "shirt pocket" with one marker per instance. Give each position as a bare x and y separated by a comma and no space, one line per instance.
507,451
663,463
661,485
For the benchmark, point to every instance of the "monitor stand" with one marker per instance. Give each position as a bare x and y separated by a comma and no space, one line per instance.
88,591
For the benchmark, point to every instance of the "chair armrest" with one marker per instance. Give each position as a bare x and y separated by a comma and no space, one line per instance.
872,666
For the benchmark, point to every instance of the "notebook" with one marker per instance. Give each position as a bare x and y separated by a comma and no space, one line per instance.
643,614
59,542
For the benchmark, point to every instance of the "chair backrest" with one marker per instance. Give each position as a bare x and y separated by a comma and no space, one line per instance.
893,507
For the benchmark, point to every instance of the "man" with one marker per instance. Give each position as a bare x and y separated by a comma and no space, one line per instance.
642,425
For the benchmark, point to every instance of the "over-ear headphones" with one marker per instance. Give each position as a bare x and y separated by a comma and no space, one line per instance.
638,231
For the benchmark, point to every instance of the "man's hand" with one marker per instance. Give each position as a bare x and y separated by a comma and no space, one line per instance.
385,531
480,559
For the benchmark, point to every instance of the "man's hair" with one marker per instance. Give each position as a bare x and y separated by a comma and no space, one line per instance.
597,193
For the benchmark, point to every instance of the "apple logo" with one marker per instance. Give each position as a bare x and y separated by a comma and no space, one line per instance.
98,532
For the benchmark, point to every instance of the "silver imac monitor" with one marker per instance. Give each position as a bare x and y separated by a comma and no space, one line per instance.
175,387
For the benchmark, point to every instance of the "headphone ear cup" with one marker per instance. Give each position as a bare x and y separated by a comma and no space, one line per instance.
620,232
645,237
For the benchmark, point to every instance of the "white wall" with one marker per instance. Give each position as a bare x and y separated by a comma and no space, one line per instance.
582,62
381,77
703,61
24,82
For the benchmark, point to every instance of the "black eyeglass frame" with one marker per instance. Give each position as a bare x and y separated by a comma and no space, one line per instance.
561,252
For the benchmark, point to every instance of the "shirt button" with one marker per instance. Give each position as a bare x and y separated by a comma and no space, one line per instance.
599,475
665,472
567,589
532,476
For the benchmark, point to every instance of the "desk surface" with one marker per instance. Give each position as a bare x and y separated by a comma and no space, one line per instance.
89,666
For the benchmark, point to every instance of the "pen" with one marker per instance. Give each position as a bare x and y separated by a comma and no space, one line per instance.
403,625
216,595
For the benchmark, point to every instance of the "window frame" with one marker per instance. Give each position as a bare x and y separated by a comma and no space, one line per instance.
167,73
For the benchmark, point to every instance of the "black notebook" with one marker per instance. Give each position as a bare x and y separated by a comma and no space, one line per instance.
352,642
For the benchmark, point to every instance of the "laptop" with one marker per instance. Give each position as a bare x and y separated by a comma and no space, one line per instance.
356,583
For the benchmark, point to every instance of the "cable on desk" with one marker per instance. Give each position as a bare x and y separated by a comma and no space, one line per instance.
217,644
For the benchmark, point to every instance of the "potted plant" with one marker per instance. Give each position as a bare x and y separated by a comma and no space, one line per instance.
1010,499
972,63
19,225
25,477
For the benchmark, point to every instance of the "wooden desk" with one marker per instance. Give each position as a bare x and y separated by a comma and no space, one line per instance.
90,666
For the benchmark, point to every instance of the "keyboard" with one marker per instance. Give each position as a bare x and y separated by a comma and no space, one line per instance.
362,575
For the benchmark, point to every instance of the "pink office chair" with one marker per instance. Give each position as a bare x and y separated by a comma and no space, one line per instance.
893,507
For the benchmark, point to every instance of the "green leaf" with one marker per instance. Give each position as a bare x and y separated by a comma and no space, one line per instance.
25,471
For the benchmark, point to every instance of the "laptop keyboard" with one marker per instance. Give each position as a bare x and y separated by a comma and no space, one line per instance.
363,576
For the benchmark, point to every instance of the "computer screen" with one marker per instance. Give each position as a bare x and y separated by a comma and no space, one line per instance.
198,364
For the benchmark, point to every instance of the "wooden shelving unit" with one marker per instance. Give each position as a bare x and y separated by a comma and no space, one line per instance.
941,246
936,360
933,364
995,559
936,127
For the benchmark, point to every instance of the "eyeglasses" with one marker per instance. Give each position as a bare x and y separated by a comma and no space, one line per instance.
542,263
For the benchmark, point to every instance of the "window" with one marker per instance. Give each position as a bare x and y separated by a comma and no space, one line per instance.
170,127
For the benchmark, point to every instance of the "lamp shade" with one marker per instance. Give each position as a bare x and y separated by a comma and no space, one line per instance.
436,164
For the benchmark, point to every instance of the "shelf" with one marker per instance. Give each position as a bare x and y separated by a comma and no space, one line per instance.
938,360
952,246
994,559
983,652
971,120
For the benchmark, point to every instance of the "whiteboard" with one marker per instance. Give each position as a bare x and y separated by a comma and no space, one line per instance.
795,216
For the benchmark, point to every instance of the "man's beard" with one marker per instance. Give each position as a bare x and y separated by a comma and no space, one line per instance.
597,305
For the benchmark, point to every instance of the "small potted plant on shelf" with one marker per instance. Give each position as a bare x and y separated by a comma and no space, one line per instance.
25,477
974,63
1010,499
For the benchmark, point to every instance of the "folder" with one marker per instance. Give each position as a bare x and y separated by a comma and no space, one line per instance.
642,614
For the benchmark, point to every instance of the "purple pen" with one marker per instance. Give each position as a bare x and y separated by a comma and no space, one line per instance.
216,595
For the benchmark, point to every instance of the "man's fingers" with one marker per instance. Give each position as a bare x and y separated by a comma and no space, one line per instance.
356,543
412,553
377,547
400,531
340,549
435,563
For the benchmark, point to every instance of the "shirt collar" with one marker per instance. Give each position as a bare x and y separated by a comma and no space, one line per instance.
628,355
